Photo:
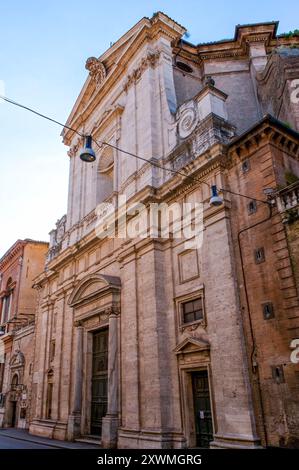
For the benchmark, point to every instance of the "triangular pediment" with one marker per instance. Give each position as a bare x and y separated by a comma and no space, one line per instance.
110,59
192,344
116,61
117,50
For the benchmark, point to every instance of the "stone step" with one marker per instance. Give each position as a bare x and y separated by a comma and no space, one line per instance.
90,439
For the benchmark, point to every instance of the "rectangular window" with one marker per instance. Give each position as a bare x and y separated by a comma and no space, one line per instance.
277,374
245,166
252,207
259,255
268,310
192,310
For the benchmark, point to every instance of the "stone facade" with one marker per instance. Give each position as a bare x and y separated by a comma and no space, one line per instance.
128,363
18,267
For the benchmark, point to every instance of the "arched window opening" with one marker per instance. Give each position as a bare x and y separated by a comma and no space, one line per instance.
105,175
7,301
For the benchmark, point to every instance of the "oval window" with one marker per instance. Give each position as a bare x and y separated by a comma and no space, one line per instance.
184,67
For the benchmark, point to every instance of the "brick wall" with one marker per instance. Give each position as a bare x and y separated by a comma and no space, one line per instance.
270,281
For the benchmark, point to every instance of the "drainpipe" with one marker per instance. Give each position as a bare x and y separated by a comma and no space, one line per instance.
253,362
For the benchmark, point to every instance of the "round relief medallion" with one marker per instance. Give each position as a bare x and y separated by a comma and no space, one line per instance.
187,122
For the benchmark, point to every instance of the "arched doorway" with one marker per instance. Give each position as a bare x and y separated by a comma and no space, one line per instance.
13,415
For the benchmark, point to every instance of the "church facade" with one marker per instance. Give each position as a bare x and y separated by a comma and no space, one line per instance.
157,340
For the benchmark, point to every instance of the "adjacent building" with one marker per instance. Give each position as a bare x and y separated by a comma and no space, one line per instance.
18,267
163,341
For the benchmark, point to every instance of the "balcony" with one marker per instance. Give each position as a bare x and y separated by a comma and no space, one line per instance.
288,203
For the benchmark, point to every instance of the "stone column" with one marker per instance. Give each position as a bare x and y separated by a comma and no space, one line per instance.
74,422
110,421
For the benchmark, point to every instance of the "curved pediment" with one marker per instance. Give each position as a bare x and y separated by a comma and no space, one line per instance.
94,285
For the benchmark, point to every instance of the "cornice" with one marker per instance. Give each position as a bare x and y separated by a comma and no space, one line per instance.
174,187
149,60
237,47
14,251
159,25
179,186
24,331
132,250
268,130
103,313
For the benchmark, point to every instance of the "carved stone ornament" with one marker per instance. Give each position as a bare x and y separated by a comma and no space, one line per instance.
190,328
73,150
96,70
188,119
150,60
112,310
17,360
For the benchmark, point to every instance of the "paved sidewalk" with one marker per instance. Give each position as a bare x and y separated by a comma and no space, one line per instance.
23,435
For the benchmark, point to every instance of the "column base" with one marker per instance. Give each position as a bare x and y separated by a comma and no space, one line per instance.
74,426
109,432
235,442
49,428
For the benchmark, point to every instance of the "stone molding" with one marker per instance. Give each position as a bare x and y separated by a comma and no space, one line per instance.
96,318
14,251
150,60
106,284
197,342
73,150
269,130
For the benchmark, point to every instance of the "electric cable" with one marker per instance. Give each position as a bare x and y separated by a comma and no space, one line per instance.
100,144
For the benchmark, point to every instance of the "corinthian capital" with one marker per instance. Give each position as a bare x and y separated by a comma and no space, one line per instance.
112,310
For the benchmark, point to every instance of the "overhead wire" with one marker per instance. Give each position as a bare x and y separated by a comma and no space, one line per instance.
100,144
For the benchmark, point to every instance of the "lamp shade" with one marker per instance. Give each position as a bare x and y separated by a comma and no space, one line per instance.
87,154
215,200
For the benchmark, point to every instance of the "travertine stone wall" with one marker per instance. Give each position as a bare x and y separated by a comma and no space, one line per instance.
140,102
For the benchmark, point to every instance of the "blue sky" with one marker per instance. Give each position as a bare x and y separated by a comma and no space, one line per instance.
43,48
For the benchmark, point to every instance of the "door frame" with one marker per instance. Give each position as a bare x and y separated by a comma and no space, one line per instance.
93,335
206,376
87,370
187,402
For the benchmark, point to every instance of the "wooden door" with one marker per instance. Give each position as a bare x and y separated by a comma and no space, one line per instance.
99,396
